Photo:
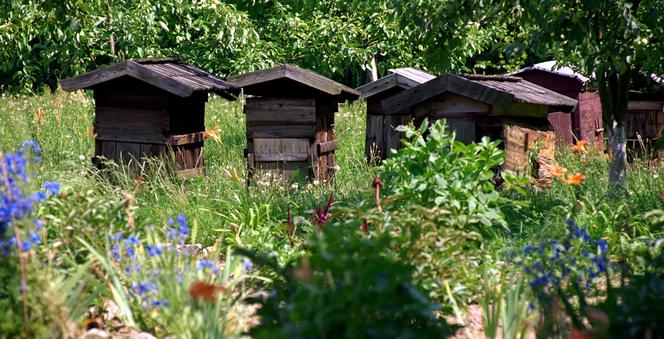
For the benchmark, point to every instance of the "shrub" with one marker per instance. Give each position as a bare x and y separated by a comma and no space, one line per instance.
434,170
347,287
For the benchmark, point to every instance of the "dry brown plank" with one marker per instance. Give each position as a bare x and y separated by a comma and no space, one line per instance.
131,125
158,80
185,139
191,172
280,157
327,147
94,77
108,150
290,131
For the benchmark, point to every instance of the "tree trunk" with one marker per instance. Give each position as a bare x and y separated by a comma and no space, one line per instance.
374,69
613,87
618,164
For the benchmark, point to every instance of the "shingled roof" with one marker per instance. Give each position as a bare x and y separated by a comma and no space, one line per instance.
170,75
405,78
258,83
495,90
553,67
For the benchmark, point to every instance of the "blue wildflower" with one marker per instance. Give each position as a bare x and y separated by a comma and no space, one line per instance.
115,251
153,250
39,224
52,187
27,245
602,246
528,249
35,238
34,145
246,265
205,264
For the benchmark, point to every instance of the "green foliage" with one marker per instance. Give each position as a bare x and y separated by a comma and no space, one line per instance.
43,41
505,305
435,170
348,287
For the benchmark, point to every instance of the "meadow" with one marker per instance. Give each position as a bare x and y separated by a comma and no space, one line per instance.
436,225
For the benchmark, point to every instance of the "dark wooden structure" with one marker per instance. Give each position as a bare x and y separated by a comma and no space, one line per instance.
585,122
290,121
645,118
380,138
501,107
148,108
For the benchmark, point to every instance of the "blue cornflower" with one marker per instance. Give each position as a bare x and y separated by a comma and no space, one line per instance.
246,265
153,250
39,196
171,233
116,237
131,251
184,228
602,246
34,145
158,303
528,249
115,251
205,264
132,240
170,222
27,245
35,238
52,187
39,224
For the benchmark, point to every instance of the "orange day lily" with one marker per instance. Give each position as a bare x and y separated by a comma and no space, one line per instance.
558,171
580,147
212,133
575,179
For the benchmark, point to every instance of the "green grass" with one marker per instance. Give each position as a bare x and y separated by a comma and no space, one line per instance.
219,203
224,210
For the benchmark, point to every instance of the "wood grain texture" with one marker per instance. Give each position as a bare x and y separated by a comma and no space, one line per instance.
131,125
184,139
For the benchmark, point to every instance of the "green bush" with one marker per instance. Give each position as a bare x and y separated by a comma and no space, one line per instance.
348,287
435,170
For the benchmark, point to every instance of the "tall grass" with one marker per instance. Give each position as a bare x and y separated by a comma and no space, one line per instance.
220,203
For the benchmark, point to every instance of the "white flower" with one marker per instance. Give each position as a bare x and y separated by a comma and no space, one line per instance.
81,157
295,186
316,182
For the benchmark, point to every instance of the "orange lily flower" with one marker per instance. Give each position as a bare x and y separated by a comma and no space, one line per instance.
580,147
212,133
575,179
558,171
204,291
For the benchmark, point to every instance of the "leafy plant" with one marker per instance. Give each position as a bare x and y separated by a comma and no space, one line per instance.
434,170
350,287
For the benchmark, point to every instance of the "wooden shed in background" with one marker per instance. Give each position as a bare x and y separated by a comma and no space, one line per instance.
501,107
148,108
290,121
380,136
585,122
645,118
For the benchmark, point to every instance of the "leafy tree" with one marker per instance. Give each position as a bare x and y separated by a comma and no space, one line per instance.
43,41
611,39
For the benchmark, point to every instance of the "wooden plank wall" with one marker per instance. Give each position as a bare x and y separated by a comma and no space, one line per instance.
519,139
280,137
642,129
134,122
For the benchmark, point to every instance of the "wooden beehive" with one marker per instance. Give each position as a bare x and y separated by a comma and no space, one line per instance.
379,136
290,121
151,108
496,106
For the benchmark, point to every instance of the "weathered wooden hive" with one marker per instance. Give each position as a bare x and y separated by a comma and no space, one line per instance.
290,121
379,136
585,122
501,107
150,108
